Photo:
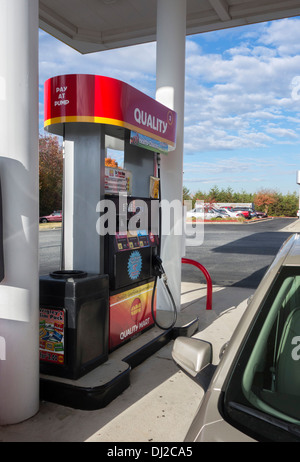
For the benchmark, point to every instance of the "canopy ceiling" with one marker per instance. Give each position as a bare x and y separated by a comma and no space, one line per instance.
95,25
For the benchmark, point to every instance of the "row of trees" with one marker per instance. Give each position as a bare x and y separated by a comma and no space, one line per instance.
51,178
270,201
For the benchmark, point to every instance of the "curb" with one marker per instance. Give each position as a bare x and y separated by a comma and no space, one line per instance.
227,222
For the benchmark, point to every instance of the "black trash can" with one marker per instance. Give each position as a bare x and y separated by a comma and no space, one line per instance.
74,323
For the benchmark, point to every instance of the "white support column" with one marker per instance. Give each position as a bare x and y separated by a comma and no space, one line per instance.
19,299
170,80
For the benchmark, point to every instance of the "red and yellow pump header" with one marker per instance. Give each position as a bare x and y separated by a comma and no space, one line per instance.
104,100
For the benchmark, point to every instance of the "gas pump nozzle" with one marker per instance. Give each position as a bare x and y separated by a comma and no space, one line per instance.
158,269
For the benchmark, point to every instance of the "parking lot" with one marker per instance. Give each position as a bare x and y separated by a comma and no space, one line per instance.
234,254
237,255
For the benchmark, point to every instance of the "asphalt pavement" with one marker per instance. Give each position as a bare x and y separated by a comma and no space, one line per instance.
236,254
161,401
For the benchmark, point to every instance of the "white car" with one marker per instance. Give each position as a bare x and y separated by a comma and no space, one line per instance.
234,213
230,213
298,213
205,213
254,392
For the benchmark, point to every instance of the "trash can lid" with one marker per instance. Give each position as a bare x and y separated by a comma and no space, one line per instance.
66,274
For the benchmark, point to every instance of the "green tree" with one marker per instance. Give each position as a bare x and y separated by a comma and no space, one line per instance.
243,197
291,203
284,205
214,194
275,203
186,195
199,196
227,195
50,174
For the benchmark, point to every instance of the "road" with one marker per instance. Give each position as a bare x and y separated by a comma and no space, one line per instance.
50,250
234,255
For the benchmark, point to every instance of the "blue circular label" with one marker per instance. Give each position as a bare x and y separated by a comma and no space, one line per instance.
134,266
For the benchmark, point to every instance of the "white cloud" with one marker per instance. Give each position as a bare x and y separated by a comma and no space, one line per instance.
135,65
246,173
282,132
231,96
283,35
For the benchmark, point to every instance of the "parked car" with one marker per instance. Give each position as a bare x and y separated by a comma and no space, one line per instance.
253,394
234,213
223,212
298,213
54,216
204,213
261,214
244,211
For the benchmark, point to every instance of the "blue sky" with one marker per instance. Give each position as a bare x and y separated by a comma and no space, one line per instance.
242,100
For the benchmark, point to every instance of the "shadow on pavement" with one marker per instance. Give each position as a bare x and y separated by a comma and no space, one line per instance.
252,281
249,244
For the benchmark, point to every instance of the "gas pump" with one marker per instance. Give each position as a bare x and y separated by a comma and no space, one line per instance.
118,250
133,263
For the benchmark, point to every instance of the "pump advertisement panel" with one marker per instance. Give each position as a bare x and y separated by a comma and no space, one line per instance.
99,99
148,143
130,313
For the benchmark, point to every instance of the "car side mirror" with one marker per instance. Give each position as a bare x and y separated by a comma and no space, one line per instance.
192,355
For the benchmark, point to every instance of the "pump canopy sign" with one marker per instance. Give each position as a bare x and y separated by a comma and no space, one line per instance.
99,99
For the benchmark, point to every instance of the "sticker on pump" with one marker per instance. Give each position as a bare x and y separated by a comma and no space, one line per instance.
134,266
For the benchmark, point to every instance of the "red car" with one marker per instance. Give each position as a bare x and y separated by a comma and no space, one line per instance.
55,216
243,210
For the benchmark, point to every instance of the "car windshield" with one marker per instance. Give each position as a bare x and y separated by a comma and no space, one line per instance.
263,394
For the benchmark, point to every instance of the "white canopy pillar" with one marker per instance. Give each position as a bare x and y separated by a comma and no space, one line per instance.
170,75
19,299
